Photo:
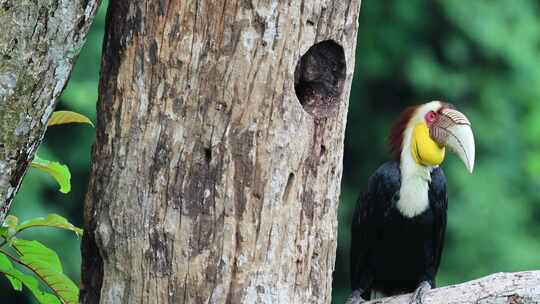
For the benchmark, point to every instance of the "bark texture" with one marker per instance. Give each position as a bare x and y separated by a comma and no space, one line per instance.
39,42
217,167
500,288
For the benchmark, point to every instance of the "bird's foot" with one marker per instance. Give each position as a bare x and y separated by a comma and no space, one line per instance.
418,295
356,297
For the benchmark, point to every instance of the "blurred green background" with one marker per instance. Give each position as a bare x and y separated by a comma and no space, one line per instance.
483,56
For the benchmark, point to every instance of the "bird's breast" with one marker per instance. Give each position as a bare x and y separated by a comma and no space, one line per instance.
403,243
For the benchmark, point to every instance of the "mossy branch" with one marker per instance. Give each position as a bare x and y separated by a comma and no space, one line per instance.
37,54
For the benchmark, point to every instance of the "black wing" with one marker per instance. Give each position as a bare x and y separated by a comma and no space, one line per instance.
438,199
383,188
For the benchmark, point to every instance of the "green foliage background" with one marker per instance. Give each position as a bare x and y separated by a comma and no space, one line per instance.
483,56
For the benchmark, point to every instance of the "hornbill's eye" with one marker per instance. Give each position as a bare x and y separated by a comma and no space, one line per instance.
430,117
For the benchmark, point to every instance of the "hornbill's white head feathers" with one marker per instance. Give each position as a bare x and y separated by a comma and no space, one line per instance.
425,131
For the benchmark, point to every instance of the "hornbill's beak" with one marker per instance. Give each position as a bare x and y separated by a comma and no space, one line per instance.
453,130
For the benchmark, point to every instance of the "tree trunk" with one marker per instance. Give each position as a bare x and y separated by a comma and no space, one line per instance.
39,42
217,167
511,288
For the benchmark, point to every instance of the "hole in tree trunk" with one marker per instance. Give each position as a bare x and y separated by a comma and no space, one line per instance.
319,77
323,150
208,154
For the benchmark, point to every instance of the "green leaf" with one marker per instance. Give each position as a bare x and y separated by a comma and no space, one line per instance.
27,280
11,221
65,117
52,220
46,265
5,233
9,226
15,283
58,171
5,263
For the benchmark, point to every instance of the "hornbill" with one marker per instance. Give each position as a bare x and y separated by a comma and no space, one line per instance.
399,222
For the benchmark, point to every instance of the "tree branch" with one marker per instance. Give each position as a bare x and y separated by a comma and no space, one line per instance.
39,42
518,287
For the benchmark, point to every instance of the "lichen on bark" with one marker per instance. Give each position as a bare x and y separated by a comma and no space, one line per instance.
39,43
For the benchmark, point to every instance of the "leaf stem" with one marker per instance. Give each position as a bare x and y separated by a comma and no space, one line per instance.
15,259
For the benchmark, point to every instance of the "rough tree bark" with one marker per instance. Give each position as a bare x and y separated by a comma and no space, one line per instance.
500,288
39,42
217,167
